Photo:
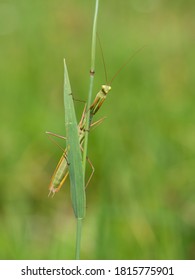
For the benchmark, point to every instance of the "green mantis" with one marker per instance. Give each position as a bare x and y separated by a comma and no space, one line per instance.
61,172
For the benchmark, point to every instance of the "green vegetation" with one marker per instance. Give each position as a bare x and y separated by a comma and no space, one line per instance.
140,202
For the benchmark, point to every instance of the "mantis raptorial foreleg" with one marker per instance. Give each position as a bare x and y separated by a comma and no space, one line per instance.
49,134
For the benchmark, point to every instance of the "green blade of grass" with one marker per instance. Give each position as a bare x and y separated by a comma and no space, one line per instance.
74,151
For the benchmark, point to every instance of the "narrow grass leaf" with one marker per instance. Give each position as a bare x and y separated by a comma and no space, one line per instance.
74,151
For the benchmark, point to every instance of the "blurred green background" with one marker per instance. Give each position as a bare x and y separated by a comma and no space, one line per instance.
140,202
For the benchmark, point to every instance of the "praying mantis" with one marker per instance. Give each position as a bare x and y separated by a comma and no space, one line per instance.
61,172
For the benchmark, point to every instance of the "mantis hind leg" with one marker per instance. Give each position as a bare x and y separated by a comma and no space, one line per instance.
49,134
92,167
92,172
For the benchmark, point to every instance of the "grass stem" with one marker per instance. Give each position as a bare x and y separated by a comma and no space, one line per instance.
92,72
78,238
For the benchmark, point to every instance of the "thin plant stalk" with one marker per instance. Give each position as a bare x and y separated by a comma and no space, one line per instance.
78,238
92,72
